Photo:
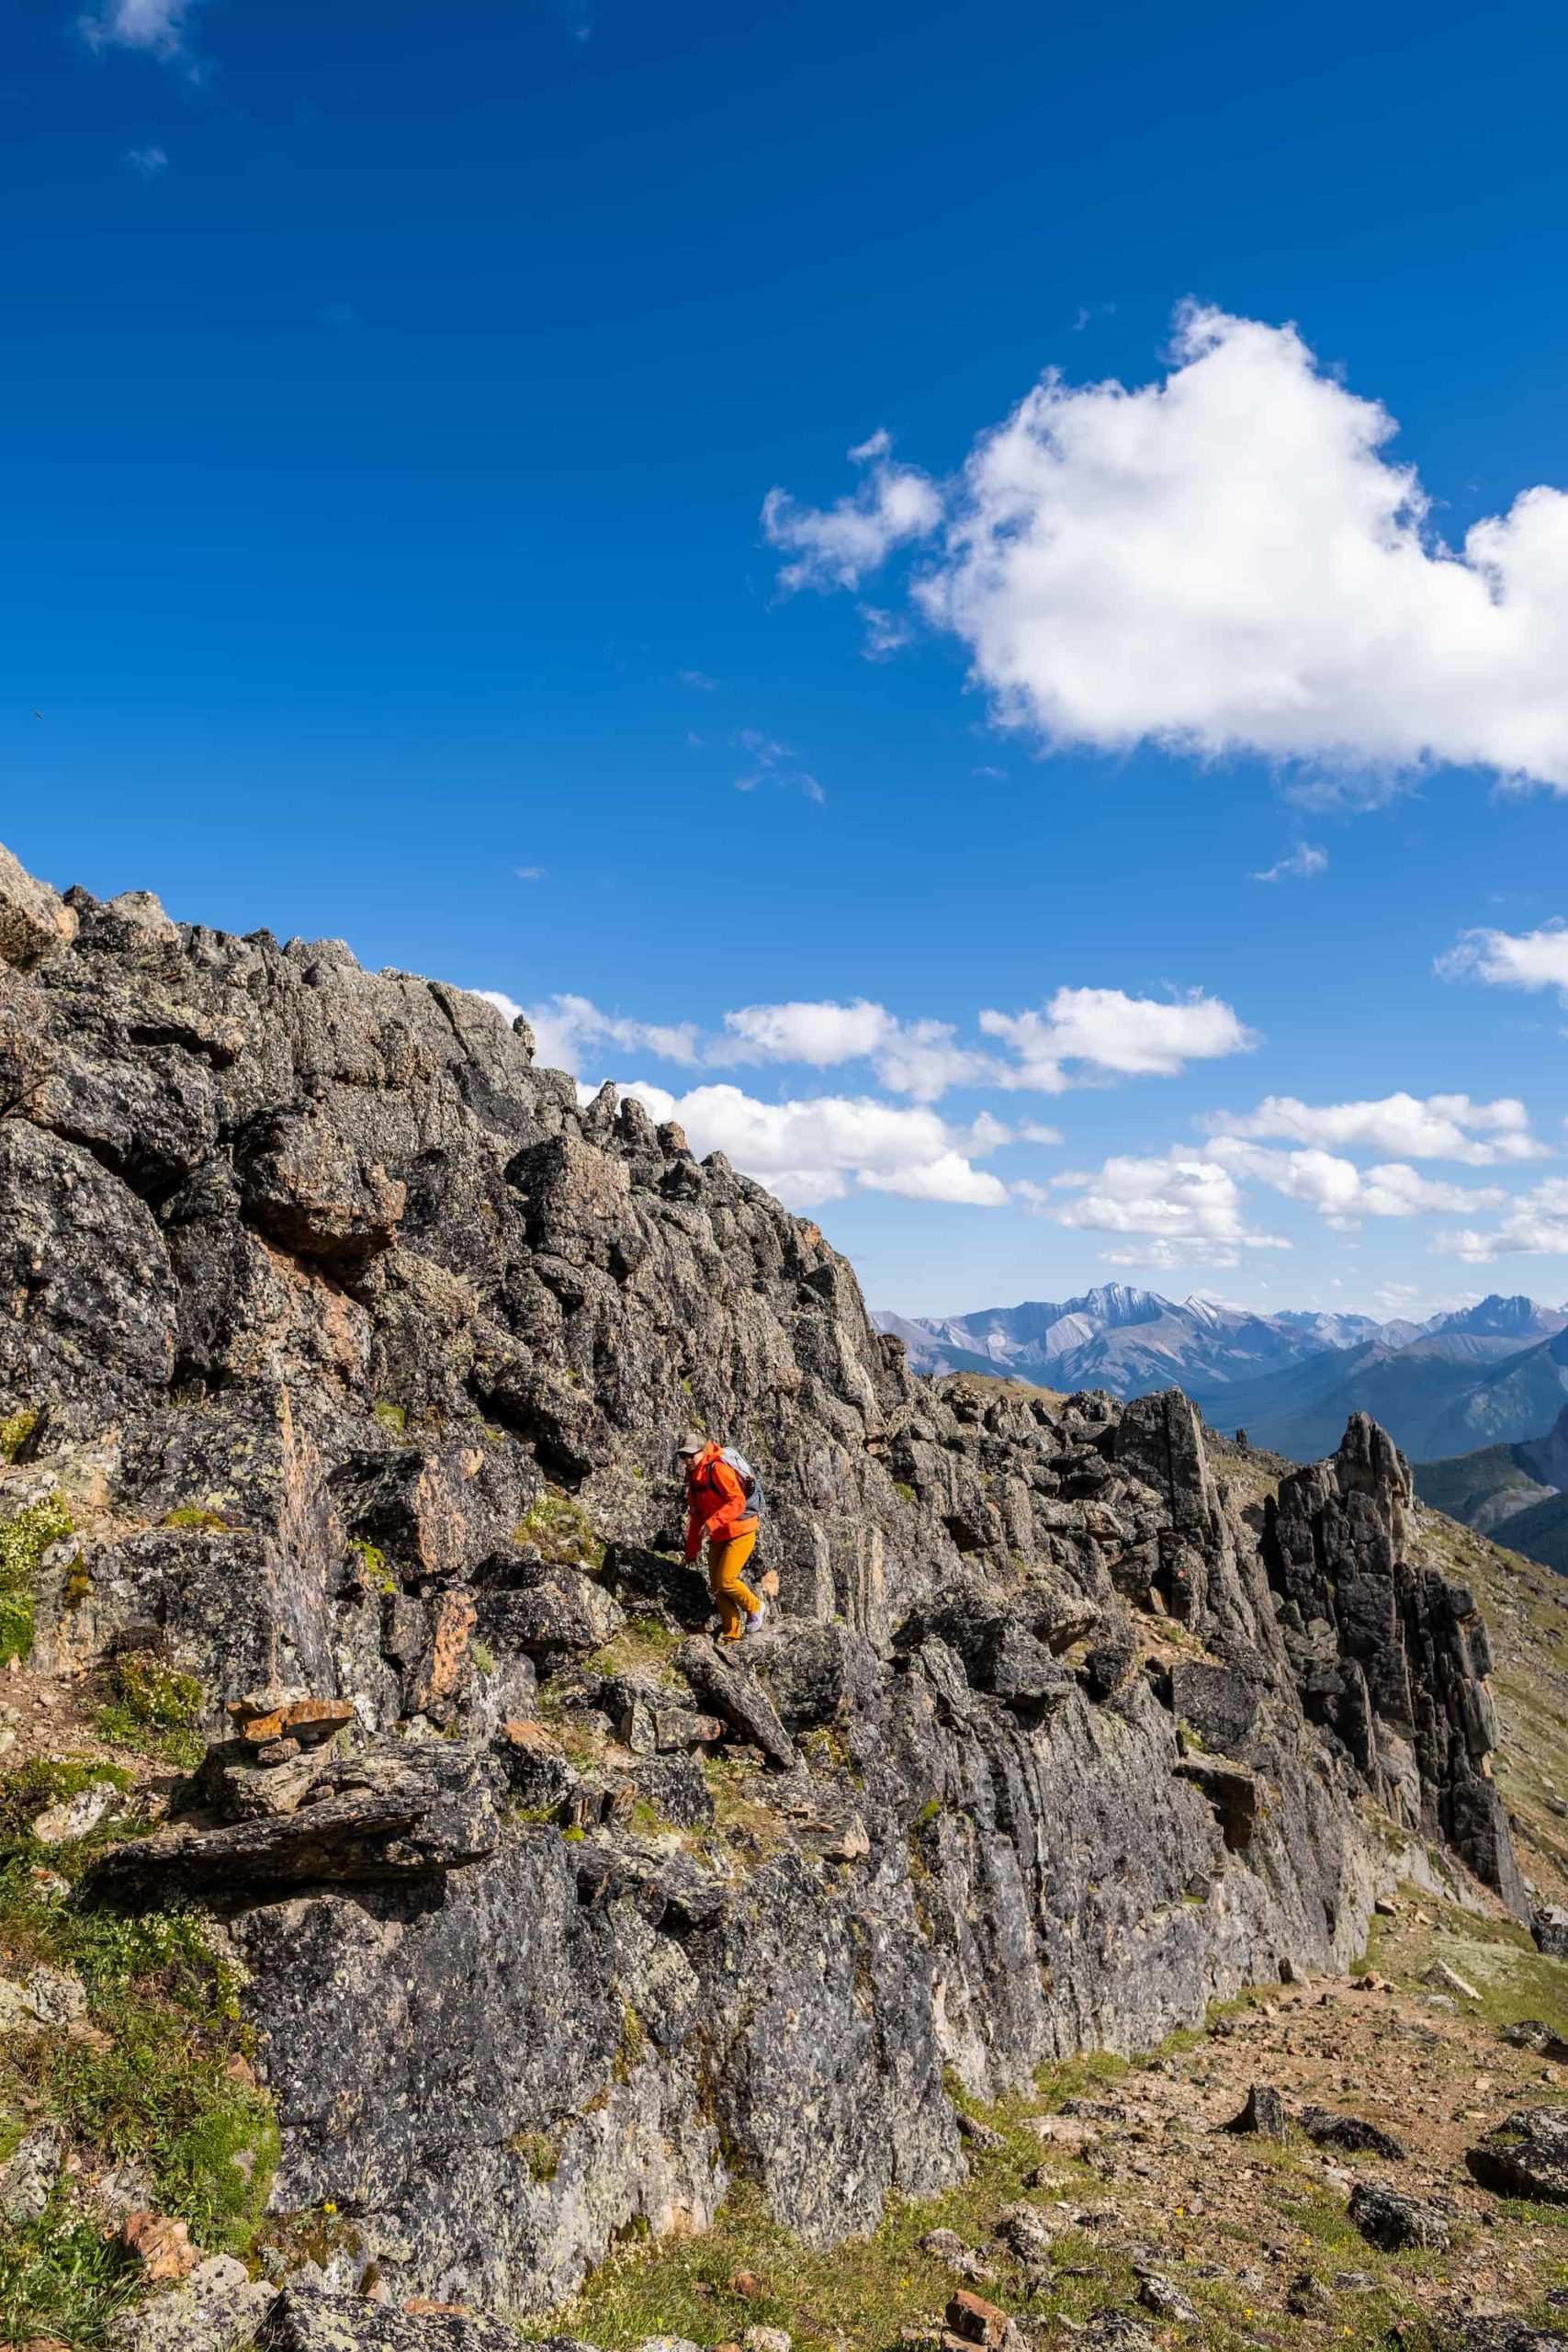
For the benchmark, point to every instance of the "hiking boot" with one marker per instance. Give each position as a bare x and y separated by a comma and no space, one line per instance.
754,1624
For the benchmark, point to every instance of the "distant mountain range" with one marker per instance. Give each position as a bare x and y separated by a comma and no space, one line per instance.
1512,1493
1493,1373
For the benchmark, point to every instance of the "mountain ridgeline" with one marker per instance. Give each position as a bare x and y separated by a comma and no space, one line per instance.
1495,1372
343,1356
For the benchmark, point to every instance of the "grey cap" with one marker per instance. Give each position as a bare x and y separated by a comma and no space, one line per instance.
692,1442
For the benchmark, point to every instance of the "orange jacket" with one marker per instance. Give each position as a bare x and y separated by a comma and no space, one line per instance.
717,1504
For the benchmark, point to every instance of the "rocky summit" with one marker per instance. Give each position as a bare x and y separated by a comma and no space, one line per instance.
342,1357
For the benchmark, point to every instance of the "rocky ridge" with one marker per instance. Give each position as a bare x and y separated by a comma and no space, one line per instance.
347,1348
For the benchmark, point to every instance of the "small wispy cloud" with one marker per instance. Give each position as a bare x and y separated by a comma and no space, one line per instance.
1299,865
885,633
156,26
770,763
147,163
835,547
700,680
529,872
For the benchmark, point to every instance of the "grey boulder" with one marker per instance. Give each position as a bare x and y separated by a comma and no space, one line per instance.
1525,2156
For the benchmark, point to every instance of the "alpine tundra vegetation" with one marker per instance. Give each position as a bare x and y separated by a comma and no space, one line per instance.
414,1927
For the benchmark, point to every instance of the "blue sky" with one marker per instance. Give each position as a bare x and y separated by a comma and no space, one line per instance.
393,395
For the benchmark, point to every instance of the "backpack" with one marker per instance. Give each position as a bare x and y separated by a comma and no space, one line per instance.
748,1477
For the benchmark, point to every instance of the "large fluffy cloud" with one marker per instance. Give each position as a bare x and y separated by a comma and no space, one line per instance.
1511,959
819,1150
1183,1209
1434,1126
1226,559
1191,1207
570,1029
922,1059
1102,1030
1343,1193
1536,1225
806,1151
1083,1036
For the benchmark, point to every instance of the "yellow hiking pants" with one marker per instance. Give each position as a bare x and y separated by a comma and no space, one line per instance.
734,1600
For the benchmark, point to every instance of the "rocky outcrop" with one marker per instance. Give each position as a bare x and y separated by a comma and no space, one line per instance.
359,1344
35,922
1526,2156
1390,1657
346,2323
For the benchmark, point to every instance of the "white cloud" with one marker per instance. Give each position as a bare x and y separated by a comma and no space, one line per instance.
1536,1225
922,1059
820,1034
1438,1126
1104,1031
147,163
1083,1036
821,1150
1342,1194
835,547
1397,1191
155,25
529,872
567,1027
1503,960
1302,862
1191,1207
1169,1257
885,633
1227,560
770,762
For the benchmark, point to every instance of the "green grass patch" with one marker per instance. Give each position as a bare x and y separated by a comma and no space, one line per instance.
863,2291
391,1417
197,1515
16,1432
1511,1979
151,1708
30,1789
23,1543
643,1644
562,1531
159,2079
538,2151
59,2277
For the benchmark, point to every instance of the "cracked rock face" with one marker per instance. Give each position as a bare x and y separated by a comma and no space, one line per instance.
371,1345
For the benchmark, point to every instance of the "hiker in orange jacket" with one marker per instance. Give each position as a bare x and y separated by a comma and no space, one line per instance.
718,1507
